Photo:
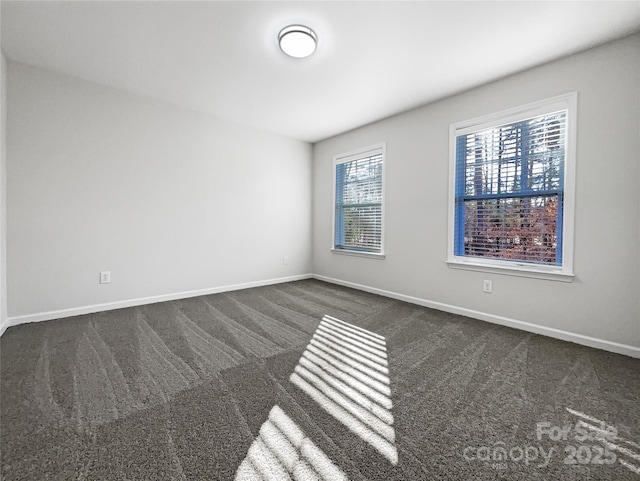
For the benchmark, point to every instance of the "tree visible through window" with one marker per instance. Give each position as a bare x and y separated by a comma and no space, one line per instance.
358,202
509,190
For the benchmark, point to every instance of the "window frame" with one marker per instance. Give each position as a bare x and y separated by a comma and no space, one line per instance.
563,272
357,154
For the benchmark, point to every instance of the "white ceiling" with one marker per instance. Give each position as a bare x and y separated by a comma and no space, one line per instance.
374,59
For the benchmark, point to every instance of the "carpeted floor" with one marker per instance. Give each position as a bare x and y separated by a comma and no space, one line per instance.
307,380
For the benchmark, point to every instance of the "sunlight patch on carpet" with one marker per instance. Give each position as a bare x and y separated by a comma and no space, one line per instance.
345,370
627,452
282,452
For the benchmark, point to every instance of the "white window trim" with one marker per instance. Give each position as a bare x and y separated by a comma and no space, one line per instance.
348,157
347,252
565,272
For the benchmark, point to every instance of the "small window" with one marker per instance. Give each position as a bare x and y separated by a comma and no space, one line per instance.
511,201
358,201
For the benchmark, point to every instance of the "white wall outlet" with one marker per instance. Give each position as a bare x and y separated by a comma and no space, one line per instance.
105,277
285,260
487,286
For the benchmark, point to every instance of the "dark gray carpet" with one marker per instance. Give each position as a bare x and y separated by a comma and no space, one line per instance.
249,385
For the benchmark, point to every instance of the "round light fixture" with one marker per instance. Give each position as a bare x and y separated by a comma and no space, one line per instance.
297,41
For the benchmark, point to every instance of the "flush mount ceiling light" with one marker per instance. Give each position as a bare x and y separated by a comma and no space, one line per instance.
297,41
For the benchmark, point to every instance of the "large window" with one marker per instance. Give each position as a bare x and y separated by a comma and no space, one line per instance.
512,189
358,201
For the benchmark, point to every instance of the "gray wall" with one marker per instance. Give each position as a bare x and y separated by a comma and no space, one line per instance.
603,300
168,200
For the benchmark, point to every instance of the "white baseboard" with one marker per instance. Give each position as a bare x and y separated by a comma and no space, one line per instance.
3,326
108,306
603,344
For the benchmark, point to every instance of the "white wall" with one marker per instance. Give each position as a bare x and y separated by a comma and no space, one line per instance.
603,300
168,200
3,193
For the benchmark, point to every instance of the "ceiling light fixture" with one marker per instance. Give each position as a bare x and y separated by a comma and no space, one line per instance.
297,41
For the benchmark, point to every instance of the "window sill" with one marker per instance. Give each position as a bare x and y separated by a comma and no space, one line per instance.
537,272
345,252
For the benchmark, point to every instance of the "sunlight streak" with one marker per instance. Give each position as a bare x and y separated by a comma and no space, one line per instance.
353,383
346,351
359,335
355,329
349,404
352,339
349,369
365,370
630,466
344,369
384,447
282,452
608,436
376,362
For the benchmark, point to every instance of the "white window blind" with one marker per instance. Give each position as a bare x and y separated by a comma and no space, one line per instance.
510,190
358,202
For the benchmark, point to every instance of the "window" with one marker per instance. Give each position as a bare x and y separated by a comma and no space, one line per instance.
358,202
511,200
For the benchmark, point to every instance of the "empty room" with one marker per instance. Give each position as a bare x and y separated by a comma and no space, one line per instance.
336,240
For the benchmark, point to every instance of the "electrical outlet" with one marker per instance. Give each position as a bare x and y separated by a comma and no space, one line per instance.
487,286
285,260
105,277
